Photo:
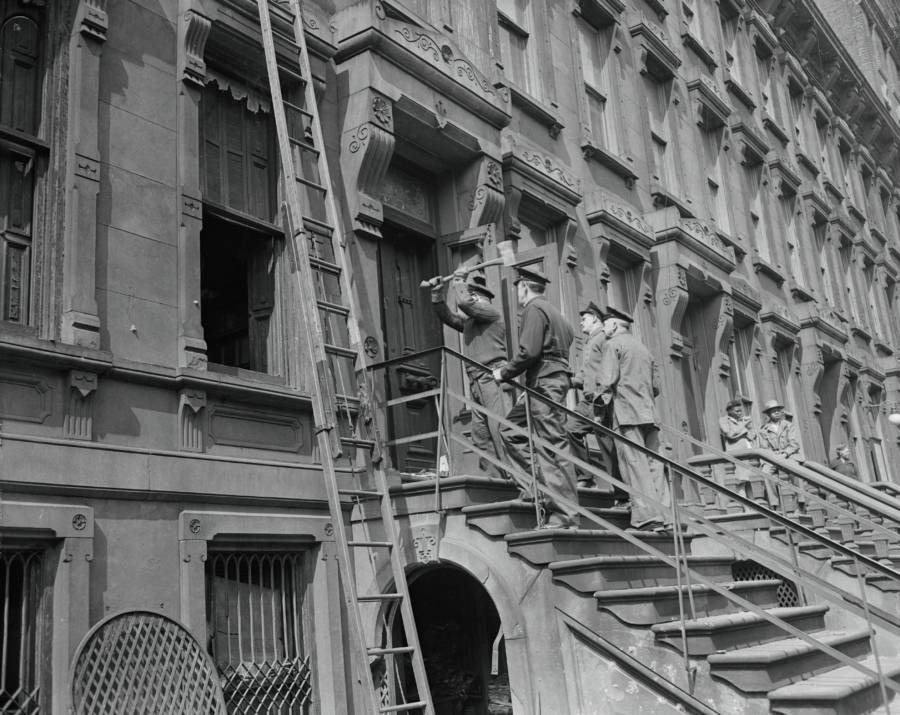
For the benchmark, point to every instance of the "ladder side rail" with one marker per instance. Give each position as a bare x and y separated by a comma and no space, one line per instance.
387,514
323,413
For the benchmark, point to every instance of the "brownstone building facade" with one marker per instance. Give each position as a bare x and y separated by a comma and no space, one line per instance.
724,171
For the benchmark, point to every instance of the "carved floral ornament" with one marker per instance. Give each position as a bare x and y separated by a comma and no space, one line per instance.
381,109
494,174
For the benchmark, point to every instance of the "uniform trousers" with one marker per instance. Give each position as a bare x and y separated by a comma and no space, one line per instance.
486,432
644,474
548,422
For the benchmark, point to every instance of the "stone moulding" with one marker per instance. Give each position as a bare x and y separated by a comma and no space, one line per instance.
239,427
424,53
698,238
713,109
620,218
657,56
544,170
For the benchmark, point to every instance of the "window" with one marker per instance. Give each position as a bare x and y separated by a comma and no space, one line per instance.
764,65
257,622
846,255
792,237
826,278
739,351
730,18
518,44
599,64
784,353
241,247
758,226
23,155
796,103
20,639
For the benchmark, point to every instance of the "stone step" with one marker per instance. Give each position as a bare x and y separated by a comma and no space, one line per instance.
610,572
506,517
761,668
544,546
737,630
417,497
656,604
842,691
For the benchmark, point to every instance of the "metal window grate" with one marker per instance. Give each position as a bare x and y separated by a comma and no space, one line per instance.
255,611
21,586
752,571
143,663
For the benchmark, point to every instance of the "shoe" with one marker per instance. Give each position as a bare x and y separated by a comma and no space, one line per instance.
649,525
586,484
559,527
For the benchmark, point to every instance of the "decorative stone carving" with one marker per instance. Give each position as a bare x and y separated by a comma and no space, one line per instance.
191,419
78,420
368,137
487,199
196,32
93,20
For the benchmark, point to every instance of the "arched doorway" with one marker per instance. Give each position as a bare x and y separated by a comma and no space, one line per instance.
462,644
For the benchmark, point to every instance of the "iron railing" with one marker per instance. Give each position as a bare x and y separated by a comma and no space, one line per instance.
695,488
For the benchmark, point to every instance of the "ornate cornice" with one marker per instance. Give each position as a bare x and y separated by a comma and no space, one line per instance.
603,208
543,169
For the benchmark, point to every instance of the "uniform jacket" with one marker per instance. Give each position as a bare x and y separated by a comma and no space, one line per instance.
736,434
589,366
545,337
629,379
782,437
483,329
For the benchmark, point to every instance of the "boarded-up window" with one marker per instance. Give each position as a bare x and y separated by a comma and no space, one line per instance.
20,150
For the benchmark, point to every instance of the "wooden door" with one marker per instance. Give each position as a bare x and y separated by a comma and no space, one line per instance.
409,326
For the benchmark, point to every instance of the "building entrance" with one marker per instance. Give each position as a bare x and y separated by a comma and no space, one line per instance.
462,644
409,326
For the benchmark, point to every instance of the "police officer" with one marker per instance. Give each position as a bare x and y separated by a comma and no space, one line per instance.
484,340
627,383
542,353
585,379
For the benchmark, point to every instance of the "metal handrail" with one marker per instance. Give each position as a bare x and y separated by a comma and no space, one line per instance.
830,591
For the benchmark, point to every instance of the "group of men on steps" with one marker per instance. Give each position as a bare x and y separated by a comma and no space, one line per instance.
617,376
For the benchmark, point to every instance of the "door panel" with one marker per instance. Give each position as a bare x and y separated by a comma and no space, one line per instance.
409,326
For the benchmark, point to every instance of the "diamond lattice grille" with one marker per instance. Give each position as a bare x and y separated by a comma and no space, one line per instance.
278,688
142,663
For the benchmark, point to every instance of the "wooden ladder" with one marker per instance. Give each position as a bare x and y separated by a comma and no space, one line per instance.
333,347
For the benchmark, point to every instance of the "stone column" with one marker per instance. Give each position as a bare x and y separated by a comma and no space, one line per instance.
80,319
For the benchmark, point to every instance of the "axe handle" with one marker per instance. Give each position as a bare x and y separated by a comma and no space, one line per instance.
447,279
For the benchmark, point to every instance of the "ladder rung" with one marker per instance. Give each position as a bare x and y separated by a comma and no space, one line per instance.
371,544
399,650
296,108
305,144
358,442
323,265
380,597
360,493
312,184
403,708
338,350
333,307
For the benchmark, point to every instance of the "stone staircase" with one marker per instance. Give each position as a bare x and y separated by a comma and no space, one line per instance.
737,661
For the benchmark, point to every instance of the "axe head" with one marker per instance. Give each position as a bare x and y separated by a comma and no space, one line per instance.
507,252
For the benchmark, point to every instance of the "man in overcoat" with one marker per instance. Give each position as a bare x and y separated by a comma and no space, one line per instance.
542,354
628,382
484,340
585,379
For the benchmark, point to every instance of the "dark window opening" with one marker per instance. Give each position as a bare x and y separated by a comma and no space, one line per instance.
237,287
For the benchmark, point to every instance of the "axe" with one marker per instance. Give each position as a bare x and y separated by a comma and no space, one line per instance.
507,257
